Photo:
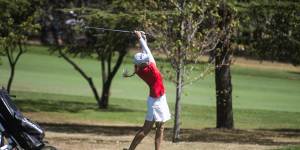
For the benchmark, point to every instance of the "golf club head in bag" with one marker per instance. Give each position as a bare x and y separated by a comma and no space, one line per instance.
19,131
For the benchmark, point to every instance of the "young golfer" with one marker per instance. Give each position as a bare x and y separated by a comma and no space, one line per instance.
157,108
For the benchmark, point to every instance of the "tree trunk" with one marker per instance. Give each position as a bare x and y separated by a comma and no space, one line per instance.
179,79
94,89
222,71
83,74
176,129
105,94
107,83
12,62
11,77
223,90
179,85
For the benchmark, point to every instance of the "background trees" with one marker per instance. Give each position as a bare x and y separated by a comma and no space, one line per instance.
186,30
269,30
223,59
17,24
109,48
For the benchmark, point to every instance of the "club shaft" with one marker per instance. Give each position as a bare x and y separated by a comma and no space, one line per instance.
113,30
105,29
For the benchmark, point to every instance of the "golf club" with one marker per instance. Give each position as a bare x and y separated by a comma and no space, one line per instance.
113,30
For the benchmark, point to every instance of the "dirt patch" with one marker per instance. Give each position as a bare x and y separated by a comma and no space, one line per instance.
77,136
262,136
101,142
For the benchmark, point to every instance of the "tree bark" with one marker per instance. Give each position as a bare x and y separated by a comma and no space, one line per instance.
11,77
223,90
12,63
176,128
107,83
222,72
105,94
179,78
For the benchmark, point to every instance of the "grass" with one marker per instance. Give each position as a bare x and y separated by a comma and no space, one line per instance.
126,111
261,98
290,148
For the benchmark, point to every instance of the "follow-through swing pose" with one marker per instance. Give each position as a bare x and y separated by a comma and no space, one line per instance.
157,108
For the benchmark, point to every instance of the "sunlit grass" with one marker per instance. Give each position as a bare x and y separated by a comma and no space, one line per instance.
262,98
133,112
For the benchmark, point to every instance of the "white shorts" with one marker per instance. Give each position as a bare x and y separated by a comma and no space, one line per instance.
158,109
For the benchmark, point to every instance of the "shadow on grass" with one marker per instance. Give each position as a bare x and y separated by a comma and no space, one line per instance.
90,129
27,105
295,72
285,132
261,136
296,75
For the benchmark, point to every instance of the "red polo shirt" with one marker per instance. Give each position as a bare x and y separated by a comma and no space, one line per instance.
151,75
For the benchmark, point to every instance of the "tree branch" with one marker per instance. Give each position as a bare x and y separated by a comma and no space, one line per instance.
210,49
118,64
109,62
8,56
203,74
177,6
75,66
200,20
21,50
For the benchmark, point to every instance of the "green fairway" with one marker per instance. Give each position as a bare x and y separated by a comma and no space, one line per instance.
258,95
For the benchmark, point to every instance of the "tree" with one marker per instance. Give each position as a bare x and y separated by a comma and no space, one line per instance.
185,30
108,47
269,30
1,54
50,15
17,24
223,55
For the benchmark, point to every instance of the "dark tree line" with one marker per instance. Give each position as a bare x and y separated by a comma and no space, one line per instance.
16,26
110,48
269,30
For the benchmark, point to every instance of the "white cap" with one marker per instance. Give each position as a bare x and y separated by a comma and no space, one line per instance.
140,58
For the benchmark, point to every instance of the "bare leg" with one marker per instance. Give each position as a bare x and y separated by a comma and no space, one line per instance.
159,134
141,134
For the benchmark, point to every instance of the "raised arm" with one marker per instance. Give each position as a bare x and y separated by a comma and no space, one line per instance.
145,48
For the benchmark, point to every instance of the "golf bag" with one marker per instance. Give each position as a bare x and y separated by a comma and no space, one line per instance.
16,131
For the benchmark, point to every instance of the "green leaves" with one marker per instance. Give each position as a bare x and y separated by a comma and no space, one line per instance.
88,42
17,22
269,30
185,33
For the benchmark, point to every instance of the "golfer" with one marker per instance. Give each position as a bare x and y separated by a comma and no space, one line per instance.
157,108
